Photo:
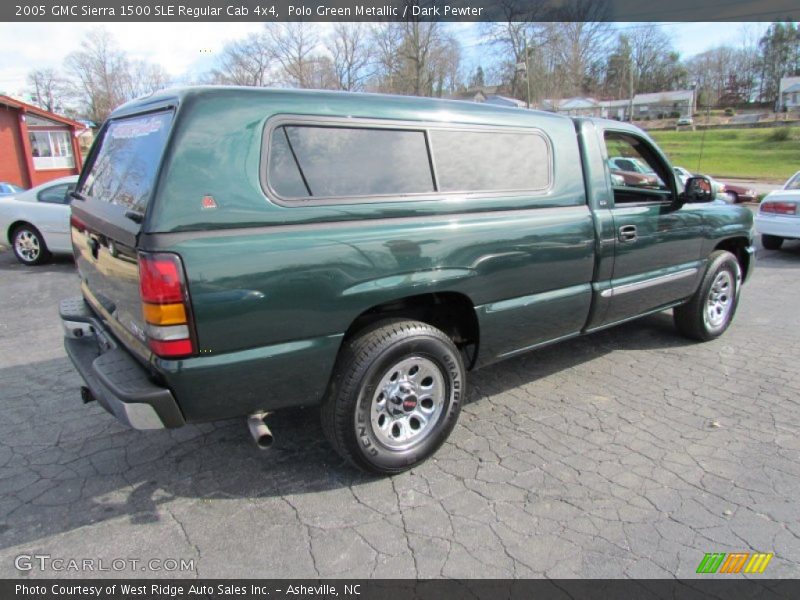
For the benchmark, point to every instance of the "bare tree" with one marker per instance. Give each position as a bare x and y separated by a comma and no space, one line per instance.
350,46
416,58
46,88
294,45
96,70
509,38
651,50
143,78
248,61
321,74
102,77
446,66
387,38
418,42
711,71
748,67
582,46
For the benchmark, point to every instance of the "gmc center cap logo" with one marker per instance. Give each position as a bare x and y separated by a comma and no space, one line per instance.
410,403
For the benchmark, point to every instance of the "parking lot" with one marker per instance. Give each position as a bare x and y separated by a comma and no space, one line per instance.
628,453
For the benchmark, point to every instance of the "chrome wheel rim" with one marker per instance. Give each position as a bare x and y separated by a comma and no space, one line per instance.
720,300
27,245
408,402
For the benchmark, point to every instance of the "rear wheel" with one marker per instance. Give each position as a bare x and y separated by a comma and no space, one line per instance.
29,246
771,242
710,311
395,396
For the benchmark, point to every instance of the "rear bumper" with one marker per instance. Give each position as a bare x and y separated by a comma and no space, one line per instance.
117,380
787,227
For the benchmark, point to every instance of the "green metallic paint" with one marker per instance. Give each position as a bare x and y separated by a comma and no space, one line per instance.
286,275
216,149
726,222
218,386
274,288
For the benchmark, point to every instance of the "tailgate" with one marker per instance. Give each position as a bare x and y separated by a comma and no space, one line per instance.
110,204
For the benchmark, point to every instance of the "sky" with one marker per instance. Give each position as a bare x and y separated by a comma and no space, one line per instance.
186,50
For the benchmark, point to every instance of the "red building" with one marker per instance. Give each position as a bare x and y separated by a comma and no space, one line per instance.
36,145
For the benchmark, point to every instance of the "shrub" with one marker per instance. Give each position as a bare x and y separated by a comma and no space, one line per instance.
729,112
780,134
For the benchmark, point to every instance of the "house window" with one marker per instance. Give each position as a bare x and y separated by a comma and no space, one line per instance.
51,150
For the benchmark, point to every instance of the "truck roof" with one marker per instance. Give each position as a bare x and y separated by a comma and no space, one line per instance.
356,100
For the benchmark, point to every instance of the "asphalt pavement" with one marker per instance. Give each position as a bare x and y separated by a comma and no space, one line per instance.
628,453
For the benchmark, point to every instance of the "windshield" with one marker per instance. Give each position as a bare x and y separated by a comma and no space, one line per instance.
793,183
124,168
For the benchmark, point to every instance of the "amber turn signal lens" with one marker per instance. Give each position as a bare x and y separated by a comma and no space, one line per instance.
164,314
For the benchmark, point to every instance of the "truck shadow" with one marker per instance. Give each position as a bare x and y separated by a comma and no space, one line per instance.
57,264
785,258
65,466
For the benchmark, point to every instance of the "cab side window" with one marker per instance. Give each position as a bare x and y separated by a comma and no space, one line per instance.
331,162
636,173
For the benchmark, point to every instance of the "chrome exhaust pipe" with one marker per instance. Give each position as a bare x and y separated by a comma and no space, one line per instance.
259,430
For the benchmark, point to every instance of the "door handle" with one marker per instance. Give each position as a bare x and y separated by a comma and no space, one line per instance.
627,233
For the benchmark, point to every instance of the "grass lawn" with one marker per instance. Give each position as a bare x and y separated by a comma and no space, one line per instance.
743,153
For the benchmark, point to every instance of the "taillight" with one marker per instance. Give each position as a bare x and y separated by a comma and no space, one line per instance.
76,223
779,208
165,305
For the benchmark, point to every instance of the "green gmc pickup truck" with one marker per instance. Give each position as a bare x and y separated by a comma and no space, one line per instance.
246,250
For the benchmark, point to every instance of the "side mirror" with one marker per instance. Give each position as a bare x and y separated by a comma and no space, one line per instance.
698,189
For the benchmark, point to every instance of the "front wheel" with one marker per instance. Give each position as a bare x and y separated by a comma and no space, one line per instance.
710,310
771,242
395,396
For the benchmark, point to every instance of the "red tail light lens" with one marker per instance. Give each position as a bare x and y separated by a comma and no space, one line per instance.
779,208
76,223
165,305
172,349
160,278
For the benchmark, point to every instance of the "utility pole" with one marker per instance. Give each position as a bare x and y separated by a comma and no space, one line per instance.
527,73
630,90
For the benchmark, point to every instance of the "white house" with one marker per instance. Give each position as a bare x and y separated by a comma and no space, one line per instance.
578,106
615,109
664,104
789,94
487,95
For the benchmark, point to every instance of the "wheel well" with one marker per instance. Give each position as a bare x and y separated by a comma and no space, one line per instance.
13,226
450,312
736,246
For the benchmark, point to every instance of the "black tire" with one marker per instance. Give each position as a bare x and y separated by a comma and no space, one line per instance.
29,246
709,312
351,411
771,242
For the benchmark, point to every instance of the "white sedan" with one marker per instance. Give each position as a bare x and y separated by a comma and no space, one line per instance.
36,222
778,215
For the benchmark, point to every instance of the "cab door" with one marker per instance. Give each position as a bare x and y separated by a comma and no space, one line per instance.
657,245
